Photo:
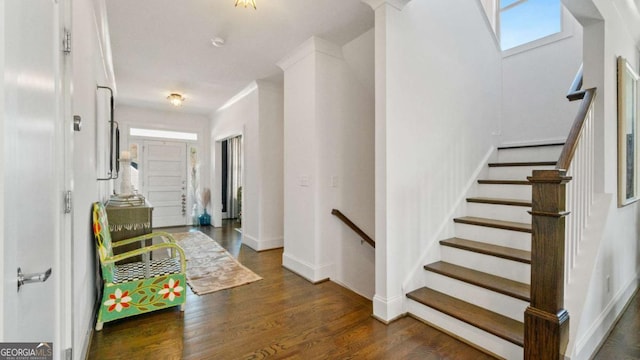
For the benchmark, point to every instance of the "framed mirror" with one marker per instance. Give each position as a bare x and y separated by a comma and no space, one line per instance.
627,133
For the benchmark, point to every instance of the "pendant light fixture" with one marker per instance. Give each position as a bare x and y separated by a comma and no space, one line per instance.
246,3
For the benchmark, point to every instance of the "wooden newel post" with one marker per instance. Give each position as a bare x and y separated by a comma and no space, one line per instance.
546,322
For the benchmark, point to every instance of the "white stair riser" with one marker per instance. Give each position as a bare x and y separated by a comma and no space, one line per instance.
490,300
468,332
543,153
513,239
521,192
508,269
514,172
499,212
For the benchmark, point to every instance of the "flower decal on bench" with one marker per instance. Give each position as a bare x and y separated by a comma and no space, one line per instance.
171,290
118,300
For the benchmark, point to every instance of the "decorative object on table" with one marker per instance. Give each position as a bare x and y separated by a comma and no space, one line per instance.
138,287
627,133
210,267
125,166
205,218
126,200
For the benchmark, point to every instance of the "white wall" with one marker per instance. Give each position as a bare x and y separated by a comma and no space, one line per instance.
329,161
89,69
271,166
355,267
438,94
257,115
615,269
534,85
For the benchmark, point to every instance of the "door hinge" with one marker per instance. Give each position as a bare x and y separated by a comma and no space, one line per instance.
68,202
66,42
68,354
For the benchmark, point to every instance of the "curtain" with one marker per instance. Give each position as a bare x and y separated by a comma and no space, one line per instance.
234,177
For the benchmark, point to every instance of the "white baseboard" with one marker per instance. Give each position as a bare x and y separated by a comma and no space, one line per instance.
534,142
388,310
353,289
314,274
262,244
597,333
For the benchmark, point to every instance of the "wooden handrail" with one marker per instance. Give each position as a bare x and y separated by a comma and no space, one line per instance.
571,144
353,227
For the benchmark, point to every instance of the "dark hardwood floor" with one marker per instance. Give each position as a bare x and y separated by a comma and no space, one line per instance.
624,341
284,316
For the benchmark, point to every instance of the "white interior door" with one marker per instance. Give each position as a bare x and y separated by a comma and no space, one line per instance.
165,181
33,173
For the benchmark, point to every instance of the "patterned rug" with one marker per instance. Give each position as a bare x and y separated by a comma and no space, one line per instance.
210,267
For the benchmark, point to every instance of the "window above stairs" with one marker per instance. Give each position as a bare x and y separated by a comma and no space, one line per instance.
520,25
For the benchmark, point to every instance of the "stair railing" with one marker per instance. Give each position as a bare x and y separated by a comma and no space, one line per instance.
555,236
354,227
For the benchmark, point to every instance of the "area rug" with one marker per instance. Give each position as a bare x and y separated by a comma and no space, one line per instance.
210,267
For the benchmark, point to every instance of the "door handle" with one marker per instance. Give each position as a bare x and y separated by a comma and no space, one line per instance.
32,278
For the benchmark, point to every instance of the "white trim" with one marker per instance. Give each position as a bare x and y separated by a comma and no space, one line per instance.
163,134
398,4
306,270
262,244
512,5
388,309
534,142
352,289
239,96
312,45
598,332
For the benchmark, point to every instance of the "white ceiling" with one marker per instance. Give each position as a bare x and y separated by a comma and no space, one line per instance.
164,46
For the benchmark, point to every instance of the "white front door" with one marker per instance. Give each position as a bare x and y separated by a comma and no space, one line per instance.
165,181
33,174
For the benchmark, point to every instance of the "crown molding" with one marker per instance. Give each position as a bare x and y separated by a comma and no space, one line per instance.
312,45
398,4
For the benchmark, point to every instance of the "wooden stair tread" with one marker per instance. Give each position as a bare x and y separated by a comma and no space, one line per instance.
506,147
489,249
496,324
504,182
523,163
495,283
498,224
497,201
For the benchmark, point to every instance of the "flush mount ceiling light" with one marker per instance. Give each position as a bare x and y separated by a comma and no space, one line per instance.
246,3
217,42
175,99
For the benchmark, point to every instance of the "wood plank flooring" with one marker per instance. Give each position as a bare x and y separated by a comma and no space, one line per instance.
623,343
285,317
281,316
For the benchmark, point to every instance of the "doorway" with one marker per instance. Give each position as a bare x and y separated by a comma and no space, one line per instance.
164,181
231,179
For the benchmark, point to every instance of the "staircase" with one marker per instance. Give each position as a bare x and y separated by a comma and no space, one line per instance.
479,291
